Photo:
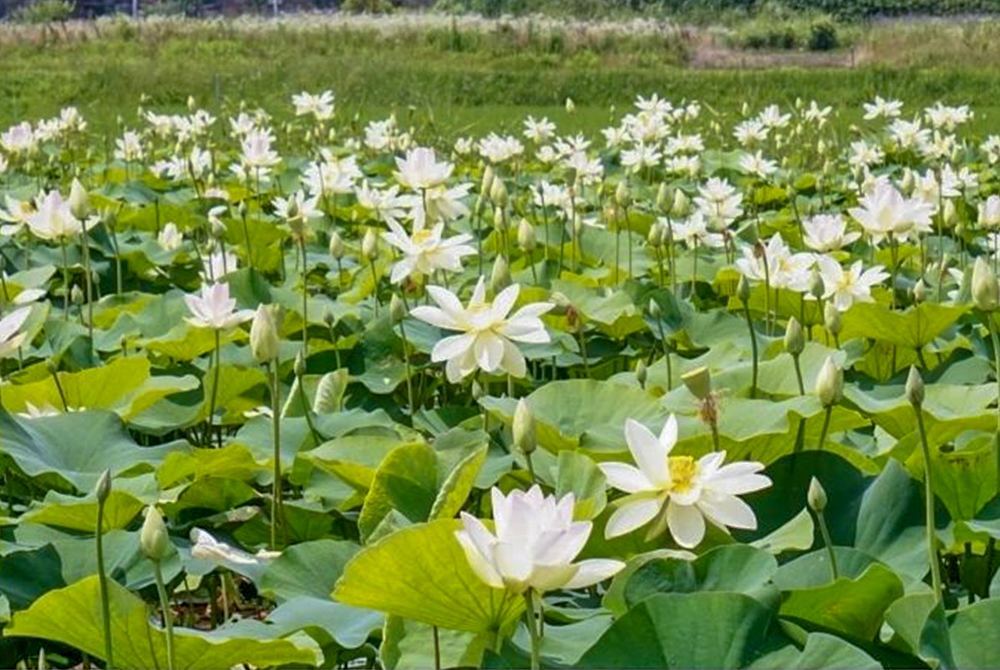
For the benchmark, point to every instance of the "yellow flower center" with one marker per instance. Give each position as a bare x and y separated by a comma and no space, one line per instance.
682,473
421,236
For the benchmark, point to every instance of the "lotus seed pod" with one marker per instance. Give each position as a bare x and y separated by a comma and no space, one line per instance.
498,193
664,198
829,383
698,382
816,288
153,539
681,205
832,319
526,236
369,245
816,497
300,364
488,176
500,275
795,340
76,295
915,388
103,488
264,340
336,246
985,288
524,430
743,289
641,373
397,310
79,201
919,291
330,392
623,194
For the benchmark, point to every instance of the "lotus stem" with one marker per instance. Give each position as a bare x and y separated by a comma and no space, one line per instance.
824,531
168,623
102,577
276,504
406,362
215,390
65,273
826,427
437,648
929,506
532,622
996,373
305,298
753,350
88,283
798,374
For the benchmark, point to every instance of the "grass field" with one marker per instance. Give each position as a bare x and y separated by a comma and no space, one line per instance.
467,75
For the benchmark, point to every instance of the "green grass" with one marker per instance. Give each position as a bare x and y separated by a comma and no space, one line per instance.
467,83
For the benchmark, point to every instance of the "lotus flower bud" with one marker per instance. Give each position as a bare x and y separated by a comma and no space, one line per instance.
524,430
985,288
570,106
76,295
919,291
681,205
51,367
103,488
623,194
655,236
795,340
832,319
369,245
397,310
499,220
989,212
816,496
488,176
500,276
336,246
655,310
153,538
816,287
477,390
79,201
950,213
664,199
641,373
300,364
264,340
829,383
526,236
498,193
908,181
698,382
915,388
743,289
330,392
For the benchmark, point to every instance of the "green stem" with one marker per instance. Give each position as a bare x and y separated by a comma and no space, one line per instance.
307,412
798,374
996,373
826,427
102,577
276,422
753,349
406,362
215,389
167,619
62,393
531,621
87,284
825,532
929,506
65,269
305,300
437,649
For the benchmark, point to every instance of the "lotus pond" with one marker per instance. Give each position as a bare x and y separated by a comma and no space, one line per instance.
703,390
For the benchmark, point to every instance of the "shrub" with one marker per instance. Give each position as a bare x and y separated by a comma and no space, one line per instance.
44,11
823,36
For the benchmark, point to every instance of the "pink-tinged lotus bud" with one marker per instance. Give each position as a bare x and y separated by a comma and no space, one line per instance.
153,538
816,496
915,388
985,289
264,340
830,383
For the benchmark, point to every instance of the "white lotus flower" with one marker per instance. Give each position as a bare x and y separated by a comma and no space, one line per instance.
215,309
421,169
845,287
207,548
535,543
487,334
688,491
10,337
885,212
425,251
827,232
53,219
170,238
320,106
881,107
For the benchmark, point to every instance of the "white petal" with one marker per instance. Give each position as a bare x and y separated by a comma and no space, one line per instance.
668,436
489,351
686,524
592,571
479,563
649,454
630,516
513,360
625,477
504,301
453,347
728,511
435,316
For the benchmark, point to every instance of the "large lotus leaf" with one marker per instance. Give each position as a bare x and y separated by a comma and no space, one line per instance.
796,535
920,628
231,461
407,481
74,513
76,448
234,391
690,630
209,495
820,652
948,409
410,644
813,569
615,315
965,478
421,573
457,483
125,386
914,328
72,616
307,569
26,575
582,413
975,635
851,607
578,474
324,620
354,458
185,342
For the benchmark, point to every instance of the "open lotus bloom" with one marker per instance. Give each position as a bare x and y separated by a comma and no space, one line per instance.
688,491
535,543
205,547
215,309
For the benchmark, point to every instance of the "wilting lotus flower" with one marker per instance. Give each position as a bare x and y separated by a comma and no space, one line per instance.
688,491
215,309
535,543
488,334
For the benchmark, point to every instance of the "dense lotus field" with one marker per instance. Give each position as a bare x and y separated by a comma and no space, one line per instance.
698,392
